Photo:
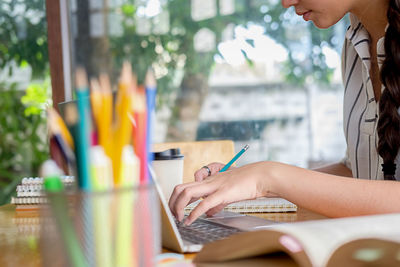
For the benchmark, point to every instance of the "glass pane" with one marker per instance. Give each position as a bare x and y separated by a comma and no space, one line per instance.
249,71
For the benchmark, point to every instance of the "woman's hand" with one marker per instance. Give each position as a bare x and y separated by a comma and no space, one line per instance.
202,173
247,182
205,172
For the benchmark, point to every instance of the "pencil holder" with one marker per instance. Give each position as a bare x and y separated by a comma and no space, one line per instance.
105,229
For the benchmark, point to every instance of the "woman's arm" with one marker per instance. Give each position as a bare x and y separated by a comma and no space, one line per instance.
333,196
336,169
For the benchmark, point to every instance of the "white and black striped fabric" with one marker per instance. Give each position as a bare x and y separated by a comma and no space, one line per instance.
360,109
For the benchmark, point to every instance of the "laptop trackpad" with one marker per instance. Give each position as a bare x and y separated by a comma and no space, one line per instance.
242,222
222,214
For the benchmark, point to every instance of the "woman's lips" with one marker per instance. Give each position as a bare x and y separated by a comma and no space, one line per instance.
306,15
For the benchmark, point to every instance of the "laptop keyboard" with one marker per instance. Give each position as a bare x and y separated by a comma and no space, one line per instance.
201,232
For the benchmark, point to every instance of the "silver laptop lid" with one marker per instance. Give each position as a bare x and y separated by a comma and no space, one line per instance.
171,238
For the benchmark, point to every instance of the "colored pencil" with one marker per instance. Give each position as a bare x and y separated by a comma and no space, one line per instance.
140,133
124,254
105,124
123,127
229,164
151,91
62,137
102,181
59,207
84,125
57,121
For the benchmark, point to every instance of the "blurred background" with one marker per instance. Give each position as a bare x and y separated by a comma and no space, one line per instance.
245,70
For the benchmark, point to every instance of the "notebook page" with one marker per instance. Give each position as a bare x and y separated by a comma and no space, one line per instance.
321,238
256,205
262,205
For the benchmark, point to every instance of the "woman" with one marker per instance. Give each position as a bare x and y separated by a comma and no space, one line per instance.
371,76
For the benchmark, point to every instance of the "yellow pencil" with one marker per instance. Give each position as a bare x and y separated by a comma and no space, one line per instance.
125,253
101,182
106,115
123,126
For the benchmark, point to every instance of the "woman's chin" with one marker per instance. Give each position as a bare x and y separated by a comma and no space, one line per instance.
322,24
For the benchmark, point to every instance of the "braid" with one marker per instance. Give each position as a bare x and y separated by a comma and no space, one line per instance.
389,118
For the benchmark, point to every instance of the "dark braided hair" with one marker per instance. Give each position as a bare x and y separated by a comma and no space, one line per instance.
389,118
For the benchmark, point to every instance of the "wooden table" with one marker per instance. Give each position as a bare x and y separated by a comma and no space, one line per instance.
19,232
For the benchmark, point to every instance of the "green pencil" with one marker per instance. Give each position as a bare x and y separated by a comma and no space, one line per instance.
54,188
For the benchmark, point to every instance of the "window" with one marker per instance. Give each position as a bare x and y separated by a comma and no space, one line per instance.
249,71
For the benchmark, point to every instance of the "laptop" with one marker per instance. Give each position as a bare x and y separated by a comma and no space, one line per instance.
181,238
187,239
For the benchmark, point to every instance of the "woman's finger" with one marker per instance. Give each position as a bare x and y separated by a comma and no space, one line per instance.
212,201
215,167
215,210
177,191
189,193
203,172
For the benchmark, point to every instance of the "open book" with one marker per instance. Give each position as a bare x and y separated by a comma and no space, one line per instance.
354,241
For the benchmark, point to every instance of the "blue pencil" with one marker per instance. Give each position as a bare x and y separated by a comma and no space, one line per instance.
151,91
229,164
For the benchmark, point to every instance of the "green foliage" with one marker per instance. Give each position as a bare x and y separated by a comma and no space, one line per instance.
23,145
23,35
36,98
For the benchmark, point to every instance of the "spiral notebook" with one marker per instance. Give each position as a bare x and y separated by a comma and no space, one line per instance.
262,204
30,191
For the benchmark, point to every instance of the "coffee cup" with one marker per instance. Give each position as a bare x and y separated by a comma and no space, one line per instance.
168,166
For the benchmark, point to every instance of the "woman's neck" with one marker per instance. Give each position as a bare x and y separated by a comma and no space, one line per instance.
372,15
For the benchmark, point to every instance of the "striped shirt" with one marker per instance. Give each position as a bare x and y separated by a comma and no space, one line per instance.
360,114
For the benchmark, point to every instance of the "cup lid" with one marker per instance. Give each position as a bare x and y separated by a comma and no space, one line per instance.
172,153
